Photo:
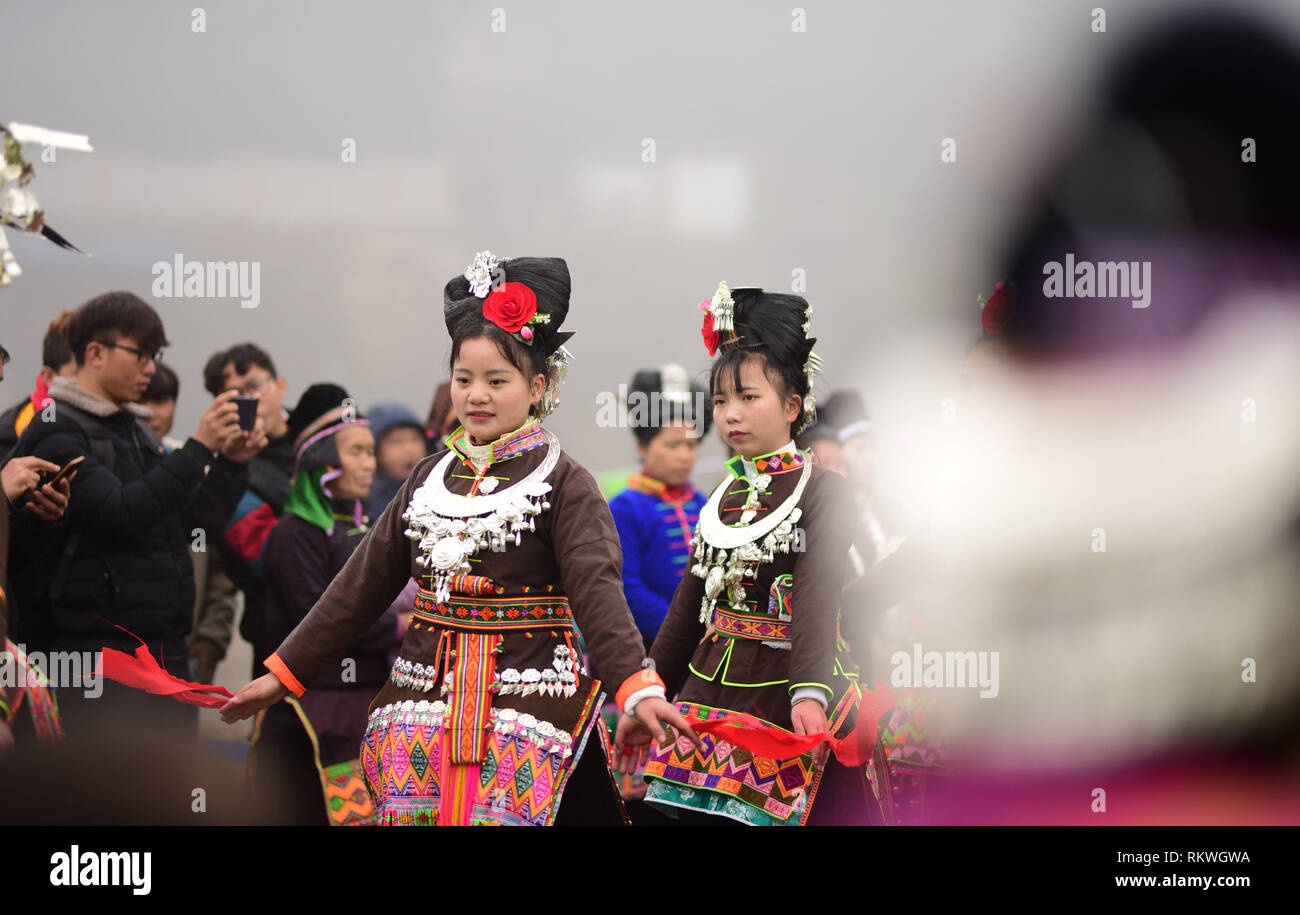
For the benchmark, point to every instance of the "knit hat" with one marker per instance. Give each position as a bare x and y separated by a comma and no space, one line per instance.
389,415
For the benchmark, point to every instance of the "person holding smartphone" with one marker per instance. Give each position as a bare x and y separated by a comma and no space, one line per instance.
21,480
117,567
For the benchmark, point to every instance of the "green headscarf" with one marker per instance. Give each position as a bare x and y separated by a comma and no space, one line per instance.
308,499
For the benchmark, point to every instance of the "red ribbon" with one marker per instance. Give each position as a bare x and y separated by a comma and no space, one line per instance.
141,671
763,739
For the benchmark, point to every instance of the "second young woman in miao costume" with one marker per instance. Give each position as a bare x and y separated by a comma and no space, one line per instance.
753,629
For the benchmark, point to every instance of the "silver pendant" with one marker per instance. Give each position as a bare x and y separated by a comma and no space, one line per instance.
713,582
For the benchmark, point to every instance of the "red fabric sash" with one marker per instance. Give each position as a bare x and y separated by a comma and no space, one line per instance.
763,739
141,671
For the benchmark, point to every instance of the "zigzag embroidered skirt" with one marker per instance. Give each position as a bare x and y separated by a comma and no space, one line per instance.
484,717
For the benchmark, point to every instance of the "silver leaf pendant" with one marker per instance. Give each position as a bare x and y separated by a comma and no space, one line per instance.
713,582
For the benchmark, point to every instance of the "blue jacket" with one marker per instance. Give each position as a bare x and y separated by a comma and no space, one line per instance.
655,533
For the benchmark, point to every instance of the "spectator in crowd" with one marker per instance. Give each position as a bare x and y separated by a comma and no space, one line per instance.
306,743
822,439
160,397
215,594
21,477
400,444
442,420
56,362
248,369
656,514
119,563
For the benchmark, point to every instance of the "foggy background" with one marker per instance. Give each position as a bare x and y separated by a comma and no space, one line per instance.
774,150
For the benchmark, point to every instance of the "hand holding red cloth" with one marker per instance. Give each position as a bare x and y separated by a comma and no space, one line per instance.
763,739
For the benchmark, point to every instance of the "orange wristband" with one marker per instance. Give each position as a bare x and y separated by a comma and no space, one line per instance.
638,681
284,675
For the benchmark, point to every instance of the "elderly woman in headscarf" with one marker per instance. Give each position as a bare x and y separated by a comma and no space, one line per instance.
305,745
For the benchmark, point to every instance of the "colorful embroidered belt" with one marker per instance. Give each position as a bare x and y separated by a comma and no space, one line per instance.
494,614
472,630
750,626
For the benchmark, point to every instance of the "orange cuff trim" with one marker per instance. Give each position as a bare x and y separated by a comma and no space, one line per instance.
277,667
638,681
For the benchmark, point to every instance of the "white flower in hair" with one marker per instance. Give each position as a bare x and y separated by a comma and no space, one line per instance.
481,273
723,308
676,383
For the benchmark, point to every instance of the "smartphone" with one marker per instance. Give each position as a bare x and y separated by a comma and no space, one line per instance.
247,407
65,470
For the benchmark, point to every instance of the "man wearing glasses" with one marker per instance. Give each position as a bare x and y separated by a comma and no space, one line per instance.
119,559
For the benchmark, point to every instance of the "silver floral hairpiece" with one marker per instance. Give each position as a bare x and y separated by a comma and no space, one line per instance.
482,273
723,309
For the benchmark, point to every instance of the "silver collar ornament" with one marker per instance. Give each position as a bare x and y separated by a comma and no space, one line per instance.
725,555
450,528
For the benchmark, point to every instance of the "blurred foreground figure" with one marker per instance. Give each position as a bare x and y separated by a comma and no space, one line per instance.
1111,558
151,781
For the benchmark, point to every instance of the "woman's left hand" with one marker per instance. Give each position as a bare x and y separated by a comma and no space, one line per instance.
263,692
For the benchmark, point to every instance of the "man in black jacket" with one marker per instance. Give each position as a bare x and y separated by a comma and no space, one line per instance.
241,540
119,560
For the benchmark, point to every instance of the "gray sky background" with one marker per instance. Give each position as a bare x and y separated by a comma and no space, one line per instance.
775,150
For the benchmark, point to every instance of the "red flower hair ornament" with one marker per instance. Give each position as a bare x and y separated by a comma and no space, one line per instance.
994,310
510,306
711,336
718,319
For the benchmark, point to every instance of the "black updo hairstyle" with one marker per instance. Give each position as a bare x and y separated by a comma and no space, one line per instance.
769,325
548,278
651,381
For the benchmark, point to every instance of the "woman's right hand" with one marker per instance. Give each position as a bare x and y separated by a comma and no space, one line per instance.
633,735
263,692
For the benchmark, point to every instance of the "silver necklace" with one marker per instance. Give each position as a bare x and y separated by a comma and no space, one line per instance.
724,554
450,528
